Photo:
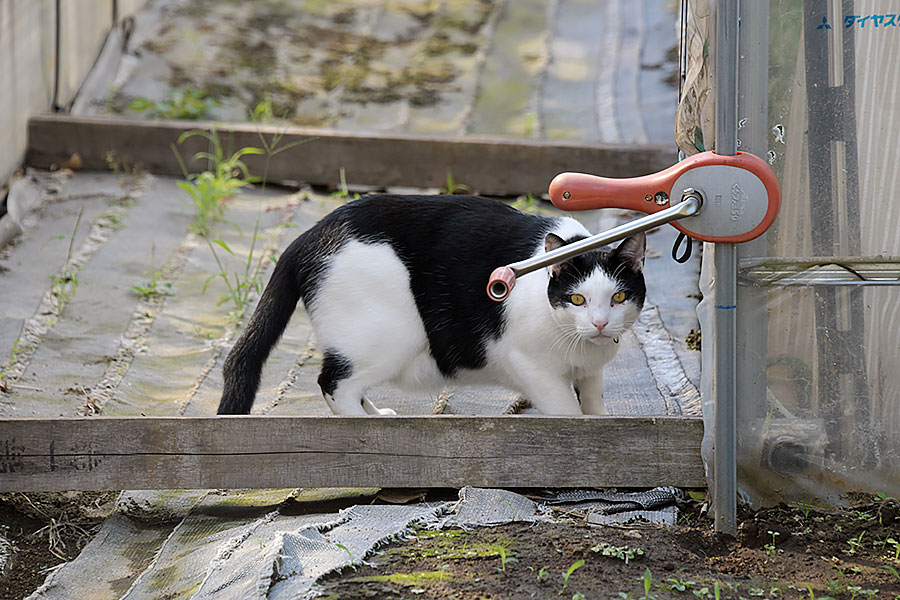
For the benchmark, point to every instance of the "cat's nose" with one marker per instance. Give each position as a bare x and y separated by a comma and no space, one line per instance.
599,324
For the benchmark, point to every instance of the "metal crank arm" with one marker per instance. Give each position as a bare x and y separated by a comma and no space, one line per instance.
504,278
707,196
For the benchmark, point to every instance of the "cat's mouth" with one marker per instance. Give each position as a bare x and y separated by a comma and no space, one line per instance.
601,337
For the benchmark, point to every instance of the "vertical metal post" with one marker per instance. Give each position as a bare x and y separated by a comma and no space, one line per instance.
725,469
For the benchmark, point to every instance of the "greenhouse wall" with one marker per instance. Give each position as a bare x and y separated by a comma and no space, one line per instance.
818,373
37,72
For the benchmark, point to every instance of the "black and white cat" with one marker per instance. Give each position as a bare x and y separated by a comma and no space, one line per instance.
395,289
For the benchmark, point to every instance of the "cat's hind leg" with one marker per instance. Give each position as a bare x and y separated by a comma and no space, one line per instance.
374,410
343,394
344,387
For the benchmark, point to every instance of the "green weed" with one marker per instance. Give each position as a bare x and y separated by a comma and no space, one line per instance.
211,189
343,193
188,104
805,508
526,204
347,550
504,558
239,286
896,546
529,122
155,286
624,553
14,351
574,567
263,112
647,580
64,284
855,544
454,187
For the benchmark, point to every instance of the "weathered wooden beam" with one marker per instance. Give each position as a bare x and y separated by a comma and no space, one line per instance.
490,165
111,453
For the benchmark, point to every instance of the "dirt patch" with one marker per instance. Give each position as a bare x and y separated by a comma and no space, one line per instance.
783,552
779,553
46,530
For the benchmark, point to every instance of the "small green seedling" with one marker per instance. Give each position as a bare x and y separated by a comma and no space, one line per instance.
624,553
504,558
155,286
896,546
512,508
343,192
14,351
770,547
855,544
574,567
454,187
647,580
542,573
805,508
680,585
63,285
347,550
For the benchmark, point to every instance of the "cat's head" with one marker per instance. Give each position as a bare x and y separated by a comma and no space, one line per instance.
598,295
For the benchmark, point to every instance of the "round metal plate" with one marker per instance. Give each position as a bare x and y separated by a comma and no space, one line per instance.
735,201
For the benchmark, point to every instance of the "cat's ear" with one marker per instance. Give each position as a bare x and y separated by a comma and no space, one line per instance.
552,242
631,251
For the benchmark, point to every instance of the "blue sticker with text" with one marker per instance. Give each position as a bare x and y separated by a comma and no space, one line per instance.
871,20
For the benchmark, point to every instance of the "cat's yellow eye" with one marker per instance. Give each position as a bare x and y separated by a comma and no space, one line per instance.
619,297
576,299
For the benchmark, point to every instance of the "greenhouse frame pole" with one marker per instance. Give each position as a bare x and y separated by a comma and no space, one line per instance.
725,343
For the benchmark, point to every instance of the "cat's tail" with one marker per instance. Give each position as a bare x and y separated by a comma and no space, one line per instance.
244,363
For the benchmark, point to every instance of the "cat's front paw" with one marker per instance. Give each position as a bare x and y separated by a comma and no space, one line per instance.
387,412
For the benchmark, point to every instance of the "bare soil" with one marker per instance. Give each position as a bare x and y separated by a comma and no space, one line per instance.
46,530
782,552
779,553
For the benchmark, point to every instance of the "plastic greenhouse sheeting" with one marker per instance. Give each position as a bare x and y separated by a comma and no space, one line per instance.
818,373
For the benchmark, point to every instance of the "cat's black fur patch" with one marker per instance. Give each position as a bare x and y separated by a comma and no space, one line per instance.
427,232
335,368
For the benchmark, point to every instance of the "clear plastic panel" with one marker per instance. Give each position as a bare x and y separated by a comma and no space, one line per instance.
818,356
827,420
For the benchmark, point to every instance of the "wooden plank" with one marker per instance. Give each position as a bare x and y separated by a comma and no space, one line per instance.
112,453
490,165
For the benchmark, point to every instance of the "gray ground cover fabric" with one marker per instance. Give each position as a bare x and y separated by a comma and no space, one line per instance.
588,78
207,543
241,546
